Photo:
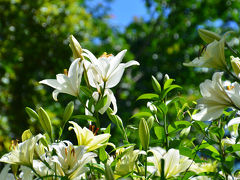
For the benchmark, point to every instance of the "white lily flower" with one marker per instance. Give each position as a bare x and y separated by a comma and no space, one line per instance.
26,173
174,163
69,83
216,97
22,154
43,170
71,160
86,137
213,57
107,70
4,173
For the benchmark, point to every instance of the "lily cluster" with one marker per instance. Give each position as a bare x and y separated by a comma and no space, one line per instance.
162,148
103,73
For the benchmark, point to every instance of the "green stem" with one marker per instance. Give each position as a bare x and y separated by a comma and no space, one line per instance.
146,166
233,51
196,151
166,130
97,120
78,97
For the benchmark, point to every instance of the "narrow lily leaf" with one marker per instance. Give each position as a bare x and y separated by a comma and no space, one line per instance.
141,114
45,122
31,113
68,112
148,96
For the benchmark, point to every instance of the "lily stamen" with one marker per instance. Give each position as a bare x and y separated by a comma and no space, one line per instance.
65,71
230,87
106,55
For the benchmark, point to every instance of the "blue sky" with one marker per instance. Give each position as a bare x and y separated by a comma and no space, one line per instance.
125,10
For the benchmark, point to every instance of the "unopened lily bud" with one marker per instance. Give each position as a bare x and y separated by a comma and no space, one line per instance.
150,122
166,77
208,36
45,121
235,65
26,135
156,85
75,46
68,111
31,113
144,134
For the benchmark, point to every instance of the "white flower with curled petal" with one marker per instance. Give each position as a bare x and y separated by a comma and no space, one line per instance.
213,57
107,70
216,97
69,83
110,100
174,163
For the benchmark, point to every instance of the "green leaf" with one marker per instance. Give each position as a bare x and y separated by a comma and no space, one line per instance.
141,114
101,103
85,117
167,83
68,112
167,90
108,129
233,148
162,107
159,132
102,154
88,92
149,96
177,126
156,85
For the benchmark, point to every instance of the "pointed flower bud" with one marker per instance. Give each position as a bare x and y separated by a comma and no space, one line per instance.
166,77
45,121
75,46
208,36
68,111
144,134
150,122
235,65
156,85
26,135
